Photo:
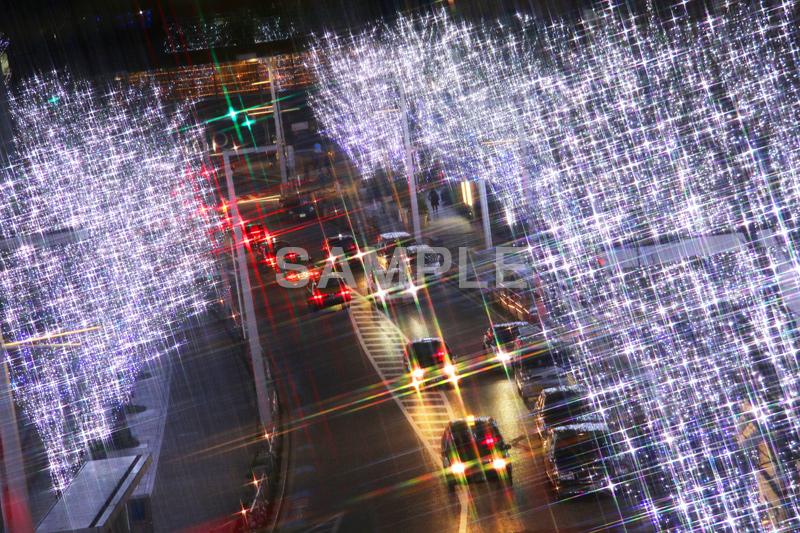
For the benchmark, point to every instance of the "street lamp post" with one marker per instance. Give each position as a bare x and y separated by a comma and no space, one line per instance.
276,111
412,180
259,370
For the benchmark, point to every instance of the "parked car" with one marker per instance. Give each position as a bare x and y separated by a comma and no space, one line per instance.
562,405
498,341
474,450
578,459
430,361
334,292
534,374
521,295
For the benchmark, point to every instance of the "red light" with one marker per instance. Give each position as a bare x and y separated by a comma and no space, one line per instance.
345,292
489,441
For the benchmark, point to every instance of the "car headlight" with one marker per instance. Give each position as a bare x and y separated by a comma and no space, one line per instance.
503,356
499,464
450,370
418,373
458,468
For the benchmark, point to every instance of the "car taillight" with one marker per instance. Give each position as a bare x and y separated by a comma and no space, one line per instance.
345,293
489,441
318,296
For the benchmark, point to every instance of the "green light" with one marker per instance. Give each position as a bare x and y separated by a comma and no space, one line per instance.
53,100
232,113
247,122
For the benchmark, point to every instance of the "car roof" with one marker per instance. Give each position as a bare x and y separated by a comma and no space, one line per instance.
426,340
394,235
464,424
510,325
535,338
415,247
340,237
583,427
577,389
336,275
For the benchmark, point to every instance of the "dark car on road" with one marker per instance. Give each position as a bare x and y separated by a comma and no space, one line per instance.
346,242
334,292
268,251
579,459
560,406
298,208
430,361
474,450
498,341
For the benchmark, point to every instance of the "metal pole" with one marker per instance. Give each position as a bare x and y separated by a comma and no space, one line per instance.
487,231
412,180
16,515
276,111
265,416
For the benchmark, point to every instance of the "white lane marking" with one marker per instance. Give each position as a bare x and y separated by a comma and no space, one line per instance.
428,412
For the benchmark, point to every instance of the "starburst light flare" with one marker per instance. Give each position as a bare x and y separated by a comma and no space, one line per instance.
107,249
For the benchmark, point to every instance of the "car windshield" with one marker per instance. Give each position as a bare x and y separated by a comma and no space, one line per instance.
429,353
581,449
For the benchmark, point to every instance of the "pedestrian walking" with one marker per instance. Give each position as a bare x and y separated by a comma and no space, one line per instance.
433,196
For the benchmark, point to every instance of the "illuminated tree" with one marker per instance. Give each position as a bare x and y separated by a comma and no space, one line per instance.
107,217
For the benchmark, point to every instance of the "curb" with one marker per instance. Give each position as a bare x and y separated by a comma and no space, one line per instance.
279,507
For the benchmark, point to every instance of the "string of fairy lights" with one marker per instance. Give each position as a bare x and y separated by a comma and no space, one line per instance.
660,153
107,221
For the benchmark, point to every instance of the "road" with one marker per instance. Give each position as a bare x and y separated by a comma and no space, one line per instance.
366,449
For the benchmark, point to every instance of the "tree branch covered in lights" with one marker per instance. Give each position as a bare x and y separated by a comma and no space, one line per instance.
359,105
107,248
662,157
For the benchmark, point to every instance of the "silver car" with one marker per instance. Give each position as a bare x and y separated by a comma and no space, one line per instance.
534,374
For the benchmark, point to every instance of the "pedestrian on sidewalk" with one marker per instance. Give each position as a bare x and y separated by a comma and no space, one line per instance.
433,196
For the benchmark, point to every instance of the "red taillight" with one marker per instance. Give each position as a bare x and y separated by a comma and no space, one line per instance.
489,441
345,292
318,297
